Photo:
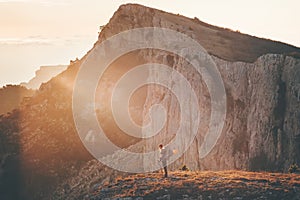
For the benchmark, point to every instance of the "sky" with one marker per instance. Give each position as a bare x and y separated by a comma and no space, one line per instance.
36,33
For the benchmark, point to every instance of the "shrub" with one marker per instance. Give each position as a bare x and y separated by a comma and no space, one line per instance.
184,168
294,168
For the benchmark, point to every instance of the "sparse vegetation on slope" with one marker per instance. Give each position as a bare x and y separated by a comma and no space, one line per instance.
11,96
201,185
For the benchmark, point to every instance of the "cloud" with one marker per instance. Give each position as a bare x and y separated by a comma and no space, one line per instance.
41,2
12,1
24,41
38,40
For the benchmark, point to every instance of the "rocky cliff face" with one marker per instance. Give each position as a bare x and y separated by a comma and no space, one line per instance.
261,131
261,128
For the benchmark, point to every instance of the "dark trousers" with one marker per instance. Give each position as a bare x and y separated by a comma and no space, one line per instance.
166,171
164,163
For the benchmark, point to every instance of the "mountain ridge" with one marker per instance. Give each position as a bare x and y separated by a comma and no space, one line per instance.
217,27
216,43
44,74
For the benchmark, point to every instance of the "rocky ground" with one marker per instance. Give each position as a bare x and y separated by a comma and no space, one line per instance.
222,185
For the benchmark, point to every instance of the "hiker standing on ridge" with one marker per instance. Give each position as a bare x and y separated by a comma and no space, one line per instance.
163,158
